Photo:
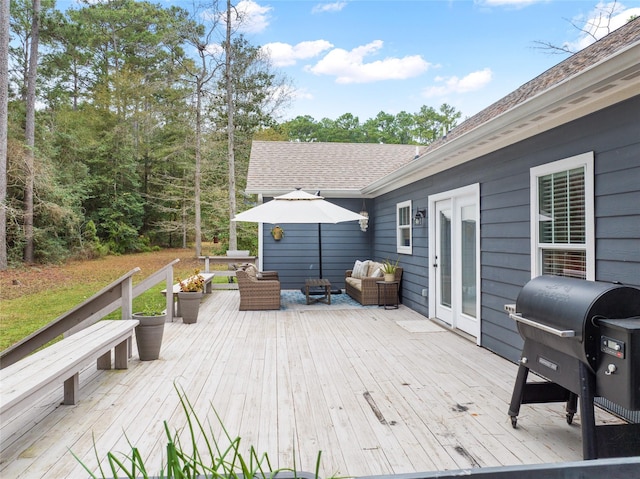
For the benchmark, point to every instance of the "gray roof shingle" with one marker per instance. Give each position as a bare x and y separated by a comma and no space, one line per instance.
626,35
280,166
342,169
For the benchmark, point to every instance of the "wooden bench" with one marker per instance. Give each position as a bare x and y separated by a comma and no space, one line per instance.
24,382
208,278
231,261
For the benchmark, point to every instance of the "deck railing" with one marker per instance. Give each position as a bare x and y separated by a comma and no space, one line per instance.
118,294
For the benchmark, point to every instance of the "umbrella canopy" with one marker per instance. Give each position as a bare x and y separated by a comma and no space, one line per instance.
298,207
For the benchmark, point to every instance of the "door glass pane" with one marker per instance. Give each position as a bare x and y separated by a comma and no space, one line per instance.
445,258
468,260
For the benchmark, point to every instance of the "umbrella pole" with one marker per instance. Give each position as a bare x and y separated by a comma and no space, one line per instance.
320,249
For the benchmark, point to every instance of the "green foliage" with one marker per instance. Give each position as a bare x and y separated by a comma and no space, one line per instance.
199,454
389,267
115,137
421,128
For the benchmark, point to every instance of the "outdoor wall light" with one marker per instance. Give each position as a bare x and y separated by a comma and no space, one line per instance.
418,219
364,223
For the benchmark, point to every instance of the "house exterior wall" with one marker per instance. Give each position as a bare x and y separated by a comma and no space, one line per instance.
295,256
612,134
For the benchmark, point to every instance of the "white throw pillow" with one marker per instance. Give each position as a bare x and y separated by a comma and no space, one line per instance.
377,273
360,269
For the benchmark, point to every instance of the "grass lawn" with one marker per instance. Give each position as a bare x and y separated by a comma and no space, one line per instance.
31,297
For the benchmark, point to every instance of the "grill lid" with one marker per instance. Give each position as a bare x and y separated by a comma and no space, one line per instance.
575,304
564,312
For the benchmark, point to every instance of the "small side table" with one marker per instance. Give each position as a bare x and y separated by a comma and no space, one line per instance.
388,294
323,284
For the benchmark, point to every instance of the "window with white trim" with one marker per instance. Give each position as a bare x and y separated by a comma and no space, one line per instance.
403,223
562,218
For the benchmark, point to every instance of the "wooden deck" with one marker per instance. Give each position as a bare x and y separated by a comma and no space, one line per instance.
378,392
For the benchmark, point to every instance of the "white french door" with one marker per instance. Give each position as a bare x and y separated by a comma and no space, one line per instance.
455,259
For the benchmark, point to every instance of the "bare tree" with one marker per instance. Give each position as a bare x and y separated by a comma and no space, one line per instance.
29,133
595,28
200,74
233,235
4,101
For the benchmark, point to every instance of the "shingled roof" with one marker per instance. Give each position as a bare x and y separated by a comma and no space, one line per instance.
336,169
628,34
598,76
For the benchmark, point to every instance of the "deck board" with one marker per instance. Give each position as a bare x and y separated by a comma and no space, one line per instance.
292,383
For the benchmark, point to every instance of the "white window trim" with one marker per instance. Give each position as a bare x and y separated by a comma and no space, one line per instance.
583,160
401,249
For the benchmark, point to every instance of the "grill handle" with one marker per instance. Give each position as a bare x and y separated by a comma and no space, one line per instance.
566,333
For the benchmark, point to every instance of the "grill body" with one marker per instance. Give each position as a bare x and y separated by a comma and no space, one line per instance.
618,374
584,338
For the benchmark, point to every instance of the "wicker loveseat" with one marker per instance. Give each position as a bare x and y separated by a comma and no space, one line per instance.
364,288
258,291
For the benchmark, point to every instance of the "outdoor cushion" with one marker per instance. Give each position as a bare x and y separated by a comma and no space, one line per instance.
375,269
377,273
251,271
360,269
354,282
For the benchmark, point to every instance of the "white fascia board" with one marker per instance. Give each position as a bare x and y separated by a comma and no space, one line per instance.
608,82
327,193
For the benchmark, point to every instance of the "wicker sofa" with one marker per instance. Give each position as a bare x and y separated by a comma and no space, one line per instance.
258,291
364,289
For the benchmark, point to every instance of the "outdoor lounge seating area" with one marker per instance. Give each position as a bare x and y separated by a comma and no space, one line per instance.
258,290
362,286
376,391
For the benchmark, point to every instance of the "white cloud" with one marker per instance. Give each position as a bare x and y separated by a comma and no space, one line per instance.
214,49
350,67
251,17
474,81
254,18
605,18
284,54
503,3
301,94
328,7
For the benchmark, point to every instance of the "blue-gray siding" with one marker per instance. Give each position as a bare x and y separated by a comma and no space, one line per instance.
296,256
612,134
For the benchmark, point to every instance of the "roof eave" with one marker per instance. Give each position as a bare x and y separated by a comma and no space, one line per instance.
327,193
610,81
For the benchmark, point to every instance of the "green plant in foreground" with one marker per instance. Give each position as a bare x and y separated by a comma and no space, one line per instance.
211,461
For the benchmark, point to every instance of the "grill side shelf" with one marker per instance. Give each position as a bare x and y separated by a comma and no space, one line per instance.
563,333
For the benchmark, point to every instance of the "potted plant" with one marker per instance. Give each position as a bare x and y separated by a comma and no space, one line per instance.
191,291
149,332
389,270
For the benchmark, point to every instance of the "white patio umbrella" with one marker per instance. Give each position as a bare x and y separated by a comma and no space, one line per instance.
299,207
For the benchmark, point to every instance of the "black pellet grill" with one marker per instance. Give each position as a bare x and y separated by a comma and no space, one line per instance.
583,337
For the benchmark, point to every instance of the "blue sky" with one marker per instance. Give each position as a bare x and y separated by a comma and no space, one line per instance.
363,57
366,56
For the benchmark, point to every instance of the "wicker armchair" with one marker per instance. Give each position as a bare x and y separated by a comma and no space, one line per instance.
258,291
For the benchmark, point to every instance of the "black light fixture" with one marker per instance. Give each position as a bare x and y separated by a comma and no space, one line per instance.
418,219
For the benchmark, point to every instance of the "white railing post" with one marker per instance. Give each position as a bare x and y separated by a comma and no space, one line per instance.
126,307
127,298
169,298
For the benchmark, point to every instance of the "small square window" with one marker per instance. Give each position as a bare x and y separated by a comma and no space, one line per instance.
404,227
